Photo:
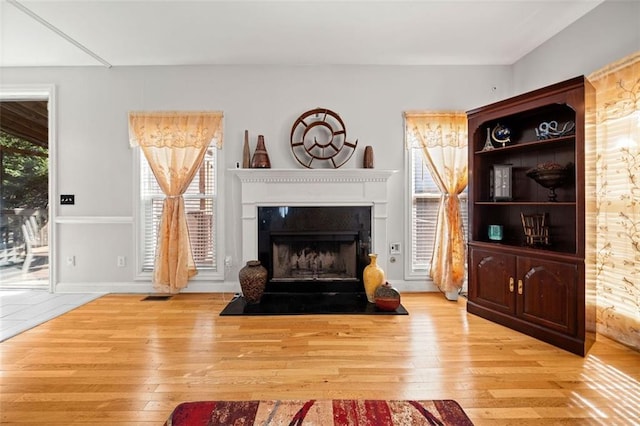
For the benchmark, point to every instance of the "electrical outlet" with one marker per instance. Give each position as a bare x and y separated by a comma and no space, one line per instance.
67,199
228,262
394,248
71,261
121,261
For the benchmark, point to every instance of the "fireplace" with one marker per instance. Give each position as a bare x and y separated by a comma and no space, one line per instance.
278,193
314,248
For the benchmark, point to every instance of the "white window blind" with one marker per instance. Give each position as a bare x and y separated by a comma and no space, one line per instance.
425,199
617,221
616,208
200,206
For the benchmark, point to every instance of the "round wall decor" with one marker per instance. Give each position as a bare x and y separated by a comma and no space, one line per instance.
319,140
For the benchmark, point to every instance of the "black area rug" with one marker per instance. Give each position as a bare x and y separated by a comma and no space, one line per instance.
307,304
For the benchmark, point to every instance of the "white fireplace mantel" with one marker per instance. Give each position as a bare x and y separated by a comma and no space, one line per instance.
313,187
313,175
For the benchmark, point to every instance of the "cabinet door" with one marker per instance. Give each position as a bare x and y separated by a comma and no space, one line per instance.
547,293
492,280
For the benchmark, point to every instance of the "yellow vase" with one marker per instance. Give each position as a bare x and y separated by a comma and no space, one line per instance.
373,276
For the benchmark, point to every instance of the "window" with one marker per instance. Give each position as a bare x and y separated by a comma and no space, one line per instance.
615,202
200,201
425,199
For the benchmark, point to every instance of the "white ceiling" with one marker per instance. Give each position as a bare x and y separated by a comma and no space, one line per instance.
180,32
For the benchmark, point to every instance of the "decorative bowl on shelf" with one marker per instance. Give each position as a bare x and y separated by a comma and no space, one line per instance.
551,175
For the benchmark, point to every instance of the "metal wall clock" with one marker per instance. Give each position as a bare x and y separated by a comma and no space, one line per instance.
319,140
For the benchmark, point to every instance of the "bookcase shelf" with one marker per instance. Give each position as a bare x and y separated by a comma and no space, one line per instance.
538,289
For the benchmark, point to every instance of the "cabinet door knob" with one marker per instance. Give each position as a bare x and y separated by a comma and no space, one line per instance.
519,286
511,284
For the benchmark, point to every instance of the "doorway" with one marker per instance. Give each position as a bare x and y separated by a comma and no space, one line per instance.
25,207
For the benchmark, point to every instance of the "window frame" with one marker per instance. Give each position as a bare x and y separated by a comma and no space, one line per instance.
204,274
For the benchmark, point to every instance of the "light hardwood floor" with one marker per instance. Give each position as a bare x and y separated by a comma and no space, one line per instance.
120,360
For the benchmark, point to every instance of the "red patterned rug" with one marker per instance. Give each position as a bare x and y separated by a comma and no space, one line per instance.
319,412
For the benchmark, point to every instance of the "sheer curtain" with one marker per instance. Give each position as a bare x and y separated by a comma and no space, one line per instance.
443,139
174,144
618,199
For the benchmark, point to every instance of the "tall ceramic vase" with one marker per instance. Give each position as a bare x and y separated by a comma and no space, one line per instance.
246,151
373,276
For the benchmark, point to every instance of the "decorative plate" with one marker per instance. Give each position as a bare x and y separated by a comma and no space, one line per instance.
319,140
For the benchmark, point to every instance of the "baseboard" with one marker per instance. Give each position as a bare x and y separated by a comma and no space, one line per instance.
144,287
203,287
104,287
414,286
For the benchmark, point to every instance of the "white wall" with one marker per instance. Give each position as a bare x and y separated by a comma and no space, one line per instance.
608,33
96,164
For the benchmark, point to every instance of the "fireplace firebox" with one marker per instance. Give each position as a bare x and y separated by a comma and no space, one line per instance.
314,248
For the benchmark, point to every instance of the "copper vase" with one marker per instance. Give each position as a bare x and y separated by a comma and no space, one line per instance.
367,163
260,158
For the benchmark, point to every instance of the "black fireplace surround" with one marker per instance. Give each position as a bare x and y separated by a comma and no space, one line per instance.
314,249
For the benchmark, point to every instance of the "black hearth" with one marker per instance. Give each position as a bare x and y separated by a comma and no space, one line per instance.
307,303
314,249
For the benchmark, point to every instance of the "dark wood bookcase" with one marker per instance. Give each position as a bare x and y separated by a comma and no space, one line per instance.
539,289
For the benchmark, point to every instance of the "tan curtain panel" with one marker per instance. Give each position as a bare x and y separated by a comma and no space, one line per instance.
442,137
618,199
174,144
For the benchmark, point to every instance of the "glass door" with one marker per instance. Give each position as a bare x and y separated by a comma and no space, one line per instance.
24,190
